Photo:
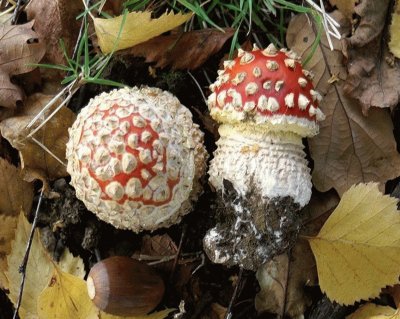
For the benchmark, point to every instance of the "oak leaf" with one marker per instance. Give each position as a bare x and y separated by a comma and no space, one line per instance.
394,43
20,47
372,311
358,249
133,28
53,135
188,50
59,17
372,80
350,148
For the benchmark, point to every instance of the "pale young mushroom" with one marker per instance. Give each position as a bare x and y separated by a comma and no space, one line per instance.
265,103
135,158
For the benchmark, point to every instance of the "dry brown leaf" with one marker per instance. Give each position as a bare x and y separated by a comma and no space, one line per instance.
16,194
372,80
300,270
7,232
187,50
350,147
345,6
54,135
158,245
59,17
20,47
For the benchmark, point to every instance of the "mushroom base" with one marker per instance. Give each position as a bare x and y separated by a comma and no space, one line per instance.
251,229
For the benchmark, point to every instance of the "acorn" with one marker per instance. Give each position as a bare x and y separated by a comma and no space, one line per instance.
125,287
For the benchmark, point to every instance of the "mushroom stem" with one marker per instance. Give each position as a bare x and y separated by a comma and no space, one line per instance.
252,159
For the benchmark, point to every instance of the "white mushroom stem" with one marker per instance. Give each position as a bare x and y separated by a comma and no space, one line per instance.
272,164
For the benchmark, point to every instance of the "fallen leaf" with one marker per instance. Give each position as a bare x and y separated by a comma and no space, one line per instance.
358,249
272,278
217,311
72,265
65,296
346,7
54,136
350,148
371,81
7,232
38,271
158,245
155,315
282,282
21,46
16,194
394,43
138,27
188,50
59,16
372,311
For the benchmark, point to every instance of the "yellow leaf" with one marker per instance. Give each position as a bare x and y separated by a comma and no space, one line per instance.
372,311
7,232
138,27
38,271
394,43
72,265
358,249
65,297
156,315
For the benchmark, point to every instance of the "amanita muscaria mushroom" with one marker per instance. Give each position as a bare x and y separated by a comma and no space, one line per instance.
266,103
135,158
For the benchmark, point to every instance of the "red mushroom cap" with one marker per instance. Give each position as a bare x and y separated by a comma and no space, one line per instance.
267,87
135,156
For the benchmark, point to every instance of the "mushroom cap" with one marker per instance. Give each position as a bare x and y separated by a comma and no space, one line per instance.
135,158
268,88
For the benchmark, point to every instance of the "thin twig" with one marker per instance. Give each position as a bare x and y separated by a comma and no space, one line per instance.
228,314
198,86
17,11
178,252
22,268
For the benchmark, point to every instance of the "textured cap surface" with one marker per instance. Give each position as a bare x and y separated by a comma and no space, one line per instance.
135,157
266,87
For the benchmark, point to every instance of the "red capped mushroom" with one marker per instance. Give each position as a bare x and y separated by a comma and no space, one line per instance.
266,103
135,158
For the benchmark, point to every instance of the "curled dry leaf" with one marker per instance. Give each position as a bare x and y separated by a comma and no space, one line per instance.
371,80
20,47
188,50
59,16
358,249
133,28
350,148
53,135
